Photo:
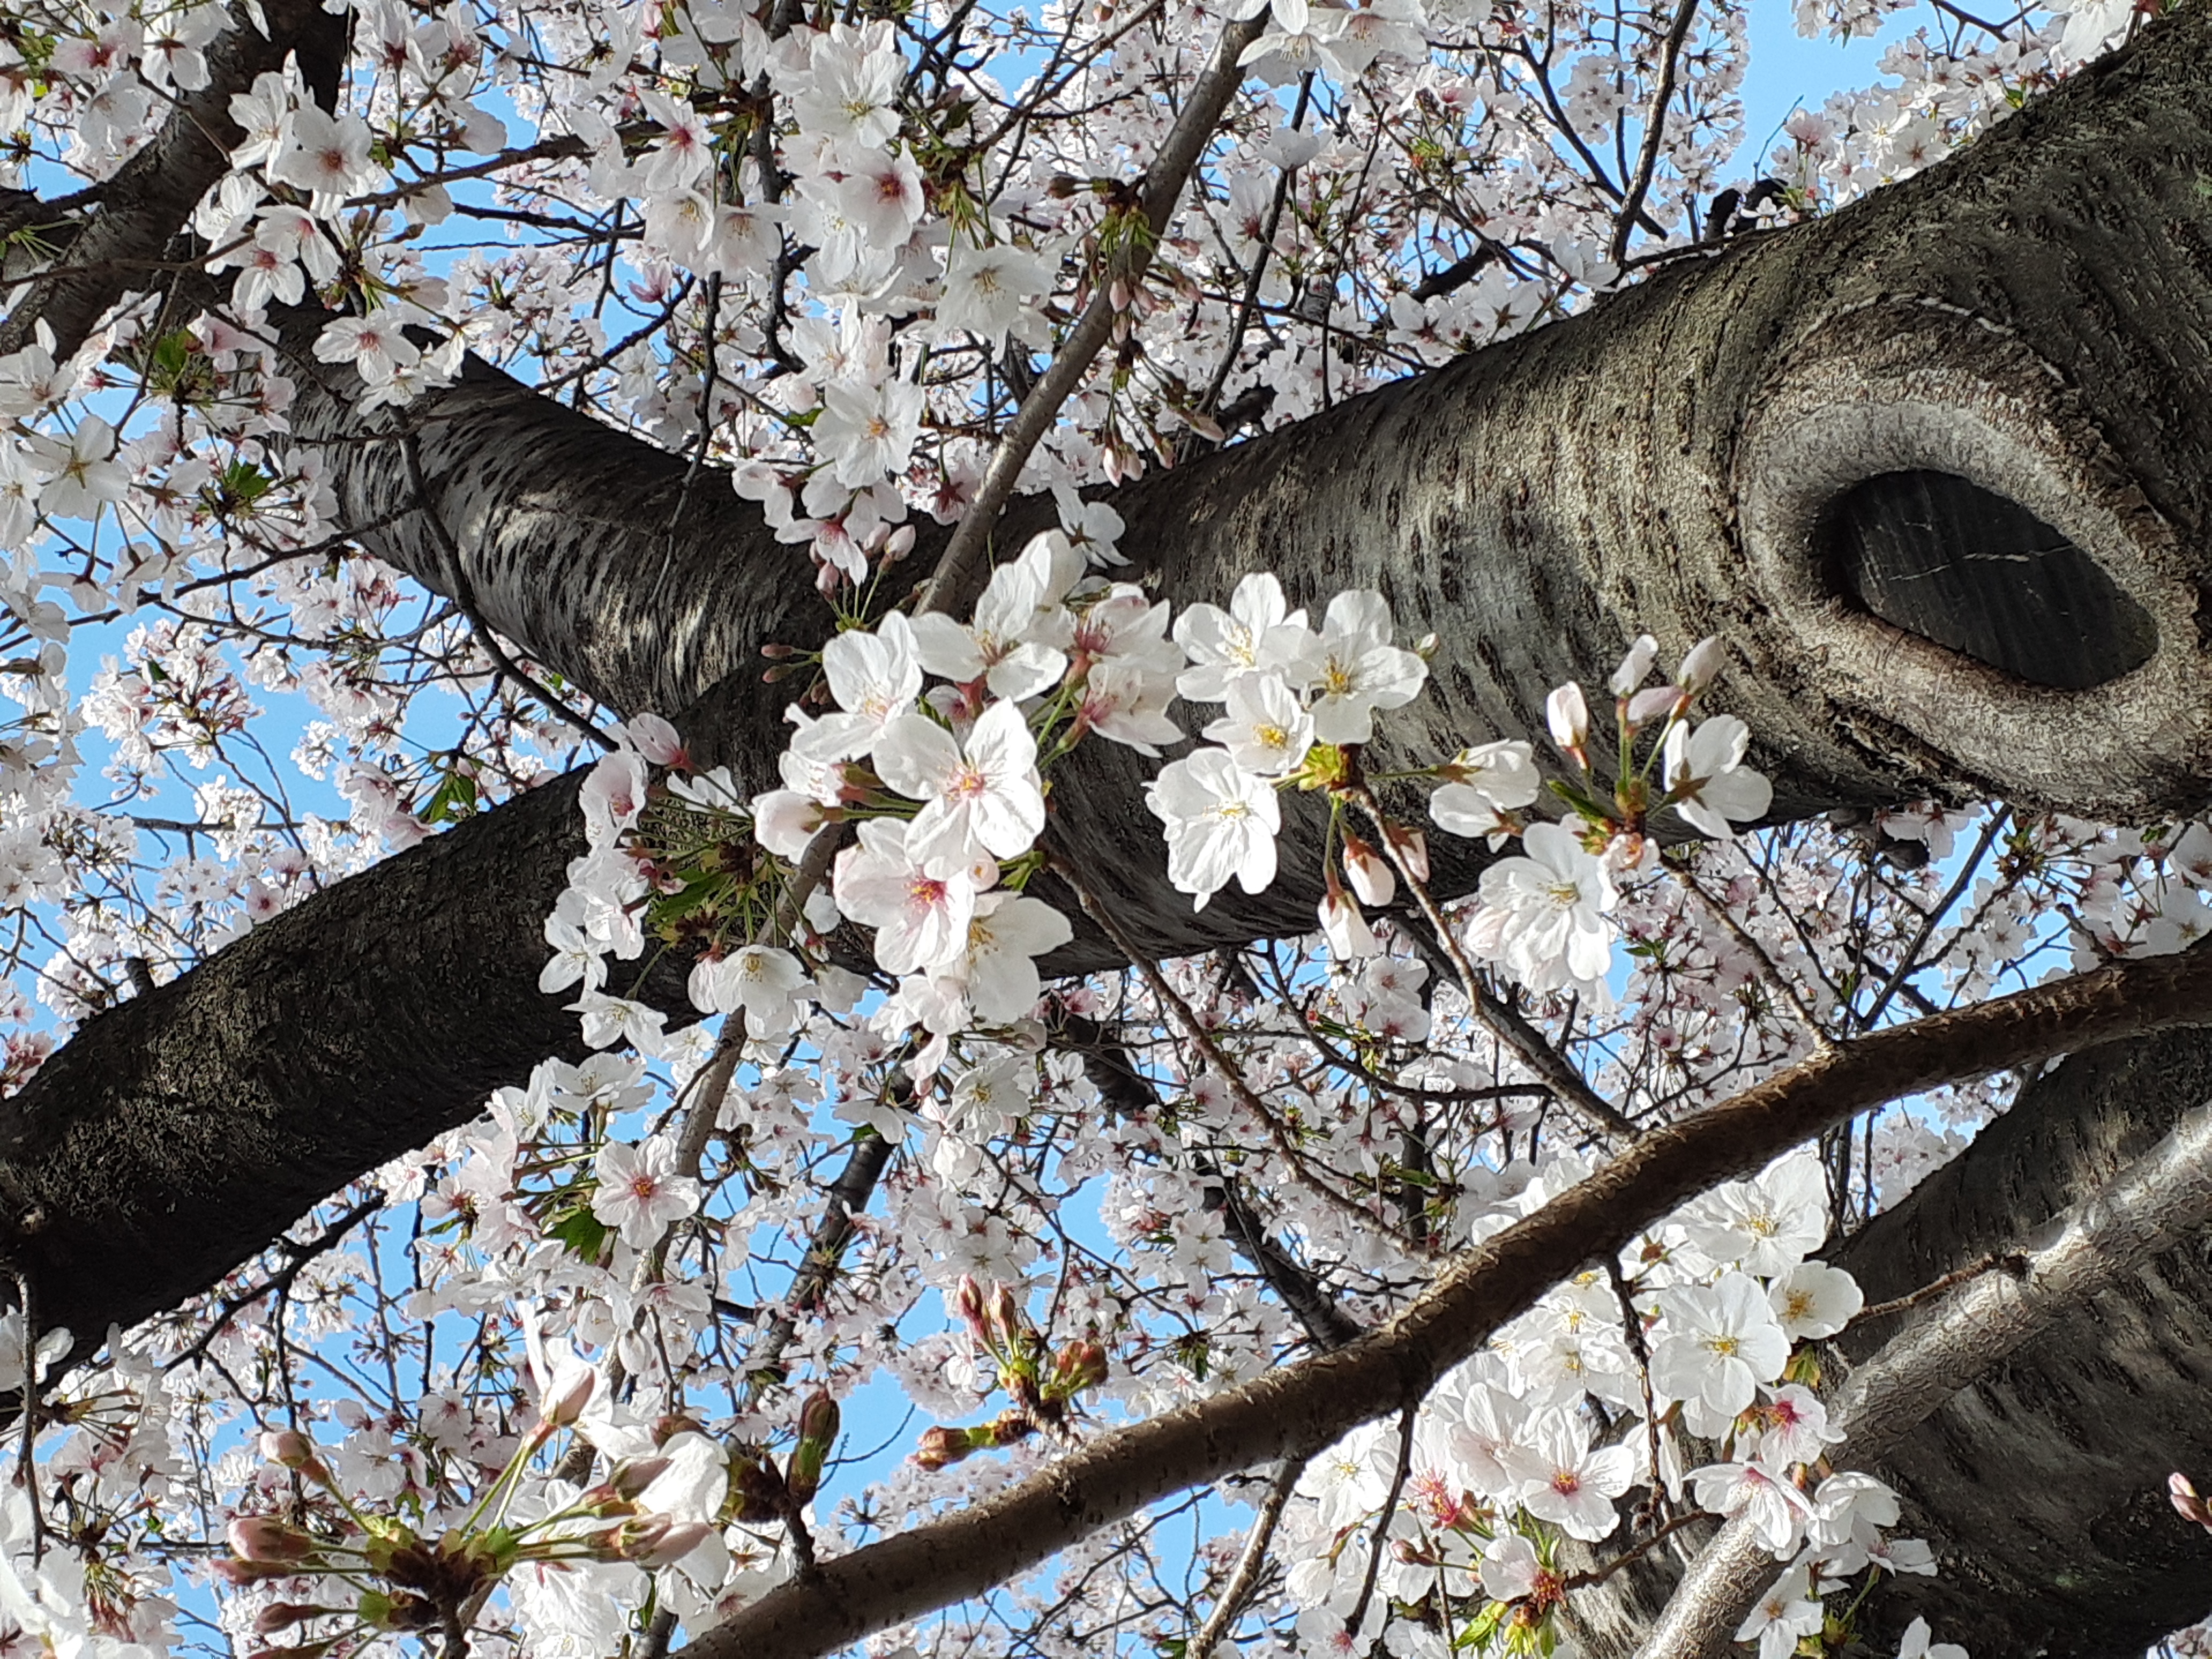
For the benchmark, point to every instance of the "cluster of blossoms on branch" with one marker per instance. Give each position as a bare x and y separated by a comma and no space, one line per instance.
562,1378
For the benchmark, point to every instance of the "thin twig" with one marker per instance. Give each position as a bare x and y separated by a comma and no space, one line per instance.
1231,1074
2011,1261
1244,1579
1406,1416
1518,1034
1162,187
1654,128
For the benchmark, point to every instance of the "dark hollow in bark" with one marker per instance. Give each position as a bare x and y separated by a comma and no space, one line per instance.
1940,556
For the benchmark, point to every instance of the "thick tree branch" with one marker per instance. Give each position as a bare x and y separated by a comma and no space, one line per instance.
2086,1251
1301,1409
2034,315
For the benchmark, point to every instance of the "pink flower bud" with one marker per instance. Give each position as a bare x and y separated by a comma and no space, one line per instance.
1654,702
1634,666
1368,872
818,1418
1079,1365
1006,1311
969,1300
1702,666
1569,718
942,1447
1344,927
2186,1502
283,1615
266,1541
290,1448
677,1540
633,1474
656,739
1411,848
570,1404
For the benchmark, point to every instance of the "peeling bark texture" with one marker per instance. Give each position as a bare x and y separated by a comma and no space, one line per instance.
1301,1409
2033,317
151,195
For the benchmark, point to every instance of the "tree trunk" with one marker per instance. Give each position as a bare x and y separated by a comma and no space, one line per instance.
1693,456
2043,1486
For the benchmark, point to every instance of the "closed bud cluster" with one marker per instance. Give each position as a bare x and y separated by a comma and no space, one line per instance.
942,1447
1077,1366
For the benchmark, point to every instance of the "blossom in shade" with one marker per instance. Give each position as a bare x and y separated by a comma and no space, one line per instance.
1562,1480
1718,1344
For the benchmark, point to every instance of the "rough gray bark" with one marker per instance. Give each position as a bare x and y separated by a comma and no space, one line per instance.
2033,315
2092,1250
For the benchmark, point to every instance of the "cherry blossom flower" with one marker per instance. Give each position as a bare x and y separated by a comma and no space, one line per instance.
1487,783
1351,1479
1787,1612
1768,1224
867,431
875,677
1718,1344
922,917
377,346
982,797
1565,1482
1917,1645
82,473
1266,728
1814,1300
1793,1427
1010,930
761,981
1707,781
1358,670
327,154
990,292
1014,643
641,1194
1221,823
1543,916
1775,1509
1259,633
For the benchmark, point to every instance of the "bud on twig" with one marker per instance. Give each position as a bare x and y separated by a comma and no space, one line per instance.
818,1433
2186,1502
265,1540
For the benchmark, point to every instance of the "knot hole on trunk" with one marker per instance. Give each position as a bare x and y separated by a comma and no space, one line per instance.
1940,556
